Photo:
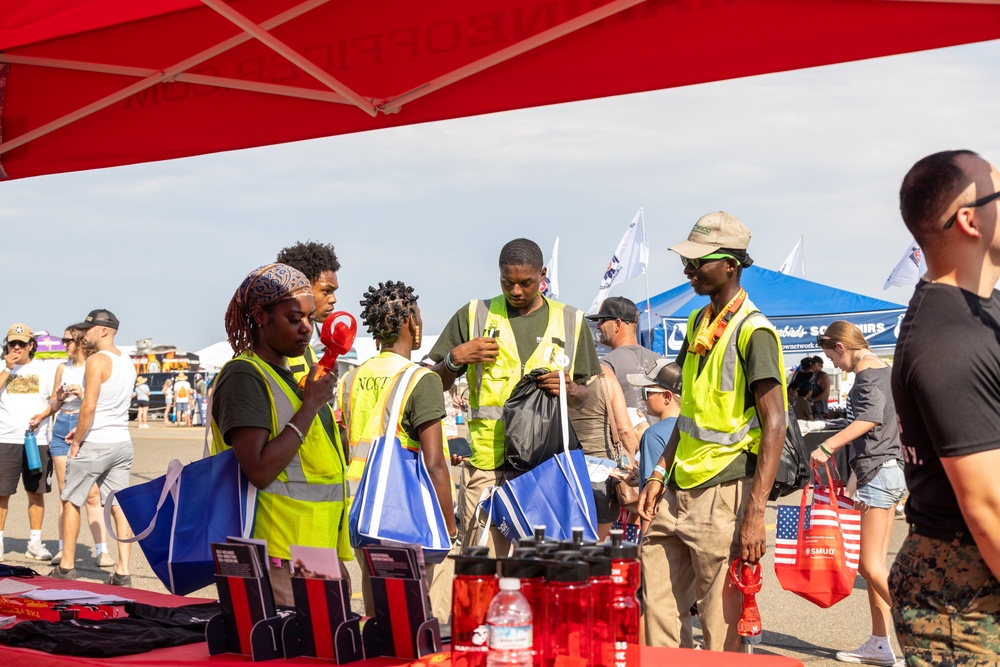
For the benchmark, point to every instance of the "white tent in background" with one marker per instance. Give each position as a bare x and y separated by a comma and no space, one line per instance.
214,356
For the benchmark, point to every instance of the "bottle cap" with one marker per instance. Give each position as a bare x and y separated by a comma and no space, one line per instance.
521,567
597,560
546,550
510,584
567,566
536,539
621,550
475,562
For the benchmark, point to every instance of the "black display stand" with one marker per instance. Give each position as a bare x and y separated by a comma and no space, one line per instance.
249,623
400,627
323,625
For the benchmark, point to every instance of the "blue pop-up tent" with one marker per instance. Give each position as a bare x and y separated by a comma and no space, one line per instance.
799,309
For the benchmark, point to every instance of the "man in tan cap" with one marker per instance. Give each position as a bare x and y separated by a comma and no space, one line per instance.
706,496
25,388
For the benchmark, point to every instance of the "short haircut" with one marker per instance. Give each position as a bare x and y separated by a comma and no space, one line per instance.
311,258
522,252
929,188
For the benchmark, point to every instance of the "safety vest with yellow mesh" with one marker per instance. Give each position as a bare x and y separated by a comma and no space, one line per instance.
299,365
715,425
490,385
365,396
306,504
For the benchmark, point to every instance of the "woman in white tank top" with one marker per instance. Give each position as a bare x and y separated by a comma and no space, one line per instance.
66,402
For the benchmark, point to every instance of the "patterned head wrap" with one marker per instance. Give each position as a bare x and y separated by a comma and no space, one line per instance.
262,287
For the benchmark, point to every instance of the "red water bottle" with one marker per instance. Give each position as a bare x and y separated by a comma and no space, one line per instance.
602,590
530,570
748,580
473,588
627,576
567,611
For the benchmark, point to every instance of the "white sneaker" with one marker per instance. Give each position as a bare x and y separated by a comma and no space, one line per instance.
872,652
38,551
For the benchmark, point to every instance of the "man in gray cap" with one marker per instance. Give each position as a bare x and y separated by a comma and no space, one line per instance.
706,497
616,324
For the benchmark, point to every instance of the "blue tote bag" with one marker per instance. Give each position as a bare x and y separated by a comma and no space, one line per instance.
177,517
556,494
395,499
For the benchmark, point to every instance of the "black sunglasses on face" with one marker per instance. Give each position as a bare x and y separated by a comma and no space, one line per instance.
67,341
18,343
979,202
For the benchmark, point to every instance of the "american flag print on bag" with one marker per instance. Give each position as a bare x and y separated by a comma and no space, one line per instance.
816,550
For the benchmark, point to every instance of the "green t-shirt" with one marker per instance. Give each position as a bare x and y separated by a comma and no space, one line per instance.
527,329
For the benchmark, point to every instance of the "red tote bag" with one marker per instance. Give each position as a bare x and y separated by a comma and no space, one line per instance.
817,546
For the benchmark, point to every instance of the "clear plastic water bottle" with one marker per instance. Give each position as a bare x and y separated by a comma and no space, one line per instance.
510,628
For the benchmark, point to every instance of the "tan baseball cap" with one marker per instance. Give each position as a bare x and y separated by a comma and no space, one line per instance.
712,232
21,332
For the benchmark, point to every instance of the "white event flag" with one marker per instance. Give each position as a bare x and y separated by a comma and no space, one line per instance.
795,263
909,269
550,283
628,262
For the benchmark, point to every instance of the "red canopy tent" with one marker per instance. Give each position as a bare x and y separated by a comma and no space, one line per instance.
97,83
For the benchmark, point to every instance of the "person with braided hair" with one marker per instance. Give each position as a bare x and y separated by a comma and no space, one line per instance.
366,393
284,438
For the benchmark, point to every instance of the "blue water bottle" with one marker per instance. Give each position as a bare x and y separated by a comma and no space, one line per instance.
31,451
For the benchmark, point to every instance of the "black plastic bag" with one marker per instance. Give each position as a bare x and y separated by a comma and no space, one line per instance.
793,467
532,427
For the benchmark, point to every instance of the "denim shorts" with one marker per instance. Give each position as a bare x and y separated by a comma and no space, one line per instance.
63,424
885,488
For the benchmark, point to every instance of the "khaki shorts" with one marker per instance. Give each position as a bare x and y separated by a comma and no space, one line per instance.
107,464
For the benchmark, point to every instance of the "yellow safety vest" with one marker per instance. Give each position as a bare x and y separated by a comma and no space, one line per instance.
365,396
715,425
299,365
307,503
491,384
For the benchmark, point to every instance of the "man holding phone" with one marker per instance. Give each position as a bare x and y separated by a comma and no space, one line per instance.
494,342
25,388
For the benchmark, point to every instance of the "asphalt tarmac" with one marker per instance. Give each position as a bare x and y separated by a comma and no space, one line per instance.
792,626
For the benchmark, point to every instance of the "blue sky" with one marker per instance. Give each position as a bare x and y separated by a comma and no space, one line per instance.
815,153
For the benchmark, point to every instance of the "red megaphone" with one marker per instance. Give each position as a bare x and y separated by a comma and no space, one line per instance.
337,337
748,580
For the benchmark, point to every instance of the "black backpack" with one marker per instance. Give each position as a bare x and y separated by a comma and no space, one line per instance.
793,467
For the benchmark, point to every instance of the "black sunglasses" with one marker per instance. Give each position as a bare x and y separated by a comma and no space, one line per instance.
67,341
697,262
18,343
979,202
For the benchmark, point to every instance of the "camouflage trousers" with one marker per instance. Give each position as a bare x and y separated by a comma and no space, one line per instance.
945,604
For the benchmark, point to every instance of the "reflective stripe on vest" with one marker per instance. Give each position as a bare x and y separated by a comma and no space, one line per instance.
491,384
297,487
715,426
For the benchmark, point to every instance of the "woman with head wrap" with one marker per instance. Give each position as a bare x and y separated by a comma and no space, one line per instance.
393,319
284,438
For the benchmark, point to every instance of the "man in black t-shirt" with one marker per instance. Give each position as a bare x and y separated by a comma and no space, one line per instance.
946,386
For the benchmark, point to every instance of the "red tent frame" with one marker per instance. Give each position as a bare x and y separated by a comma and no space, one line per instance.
62,105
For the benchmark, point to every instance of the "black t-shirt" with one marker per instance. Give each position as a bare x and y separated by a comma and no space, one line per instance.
946,387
